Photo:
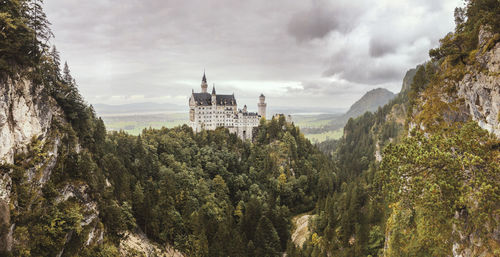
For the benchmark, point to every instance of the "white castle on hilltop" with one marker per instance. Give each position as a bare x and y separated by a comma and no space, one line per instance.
210,111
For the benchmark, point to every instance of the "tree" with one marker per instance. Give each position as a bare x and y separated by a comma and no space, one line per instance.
430,180
267,242
67,78
16,38
57,60
37,21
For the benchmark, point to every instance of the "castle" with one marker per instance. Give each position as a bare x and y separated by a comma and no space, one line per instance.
210,111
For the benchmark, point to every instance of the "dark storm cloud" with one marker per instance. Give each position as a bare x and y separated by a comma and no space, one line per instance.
156,50
380,48
310,24
323,17
390,37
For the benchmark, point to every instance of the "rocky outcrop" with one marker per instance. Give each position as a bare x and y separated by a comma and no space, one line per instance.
481,90
137,244
302,231
25,112
408,80
27,118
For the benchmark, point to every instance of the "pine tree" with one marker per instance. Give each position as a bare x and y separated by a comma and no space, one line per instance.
267,242
56,59
67,78
37,21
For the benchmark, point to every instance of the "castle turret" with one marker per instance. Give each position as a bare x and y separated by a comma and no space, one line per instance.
245,109
262,105
204,84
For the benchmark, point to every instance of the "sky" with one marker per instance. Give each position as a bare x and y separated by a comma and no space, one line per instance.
302,53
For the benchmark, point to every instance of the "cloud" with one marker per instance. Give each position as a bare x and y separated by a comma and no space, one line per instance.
323,17
296,52
381,47
391,37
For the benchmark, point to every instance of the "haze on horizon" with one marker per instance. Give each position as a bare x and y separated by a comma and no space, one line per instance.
312,53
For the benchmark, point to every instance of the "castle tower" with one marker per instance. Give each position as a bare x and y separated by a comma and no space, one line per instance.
262,105
204,84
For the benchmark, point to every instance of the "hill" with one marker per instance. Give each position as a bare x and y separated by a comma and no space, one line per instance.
325,127
369,102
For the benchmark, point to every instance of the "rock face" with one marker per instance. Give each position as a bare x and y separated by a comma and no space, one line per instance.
302,231
30,116
24,113
481,90
408,79
136,244
27,115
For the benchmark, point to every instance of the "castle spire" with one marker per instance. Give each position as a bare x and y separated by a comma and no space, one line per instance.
204,84
213,90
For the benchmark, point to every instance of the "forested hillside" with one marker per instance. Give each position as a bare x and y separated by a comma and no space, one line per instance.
422,175
211,194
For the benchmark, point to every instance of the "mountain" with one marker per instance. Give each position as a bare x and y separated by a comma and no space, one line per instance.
369,102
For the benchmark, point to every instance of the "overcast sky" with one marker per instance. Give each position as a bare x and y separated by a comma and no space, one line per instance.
311,53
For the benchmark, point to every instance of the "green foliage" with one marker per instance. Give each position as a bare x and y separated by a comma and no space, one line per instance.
205,192
24,34
266,239
455,47
430,180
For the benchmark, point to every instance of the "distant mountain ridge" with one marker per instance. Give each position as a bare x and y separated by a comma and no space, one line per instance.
369,102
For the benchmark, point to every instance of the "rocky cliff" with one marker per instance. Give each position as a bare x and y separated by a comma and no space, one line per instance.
408,79
24,113
460,92
50,187
480,87
30,142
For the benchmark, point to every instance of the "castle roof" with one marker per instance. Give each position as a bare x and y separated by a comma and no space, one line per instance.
205,99
202,98
226,100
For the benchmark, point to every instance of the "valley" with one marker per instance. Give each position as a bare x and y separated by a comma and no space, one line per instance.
412,173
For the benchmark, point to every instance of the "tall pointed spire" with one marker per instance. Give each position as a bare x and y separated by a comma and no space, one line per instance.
213,90
204,84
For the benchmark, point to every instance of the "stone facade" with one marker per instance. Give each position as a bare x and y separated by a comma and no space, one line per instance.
210,111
